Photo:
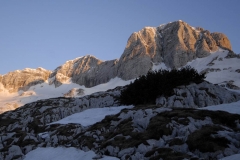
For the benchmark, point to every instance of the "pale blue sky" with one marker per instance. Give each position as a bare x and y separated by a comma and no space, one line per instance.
46,33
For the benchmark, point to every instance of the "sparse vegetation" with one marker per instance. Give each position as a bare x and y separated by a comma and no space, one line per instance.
146,88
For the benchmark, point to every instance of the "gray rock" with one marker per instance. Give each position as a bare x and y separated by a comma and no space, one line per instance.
232,86
14,152
74,92
237,70
231,54
197,96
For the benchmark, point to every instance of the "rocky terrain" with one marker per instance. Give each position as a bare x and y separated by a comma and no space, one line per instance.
31,119
204,95
143,132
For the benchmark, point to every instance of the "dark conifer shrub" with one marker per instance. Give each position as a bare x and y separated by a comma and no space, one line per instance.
146,88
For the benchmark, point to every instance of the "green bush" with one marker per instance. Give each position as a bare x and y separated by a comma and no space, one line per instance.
146,88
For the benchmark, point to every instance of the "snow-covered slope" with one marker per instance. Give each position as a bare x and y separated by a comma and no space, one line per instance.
61,153
137,132
10,101
91,116
219,68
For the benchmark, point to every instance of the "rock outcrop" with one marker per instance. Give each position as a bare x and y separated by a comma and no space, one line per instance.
87,70
24,79
221,40
197,96
74,92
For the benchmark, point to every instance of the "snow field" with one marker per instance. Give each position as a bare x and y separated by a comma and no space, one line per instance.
91,116
61,153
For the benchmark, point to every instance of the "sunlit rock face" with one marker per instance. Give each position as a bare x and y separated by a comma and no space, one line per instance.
175,44
24,79
221,40
143,48
87,70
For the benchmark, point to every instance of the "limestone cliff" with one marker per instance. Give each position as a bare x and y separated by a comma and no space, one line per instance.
87,70
24,79
143,48
175,44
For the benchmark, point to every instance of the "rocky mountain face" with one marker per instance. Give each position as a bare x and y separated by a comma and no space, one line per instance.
87,70
143,132
23,79
173,44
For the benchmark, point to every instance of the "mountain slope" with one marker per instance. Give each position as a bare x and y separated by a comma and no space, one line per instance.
172,45
137,132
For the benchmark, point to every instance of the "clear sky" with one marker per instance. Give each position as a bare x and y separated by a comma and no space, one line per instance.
46,33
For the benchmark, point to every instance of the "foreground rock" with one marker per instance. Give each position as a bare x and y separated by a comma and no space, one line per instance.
22,126
144,132
197,96
150,132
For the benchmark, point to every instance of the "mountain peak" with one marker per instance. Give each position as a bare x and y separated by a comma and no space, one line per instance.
174,44
24,79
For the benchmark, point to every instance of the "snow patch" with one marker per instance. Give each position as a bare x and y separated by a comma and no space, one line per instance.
219,69
232,157
61,153
46,91
91,116
230,107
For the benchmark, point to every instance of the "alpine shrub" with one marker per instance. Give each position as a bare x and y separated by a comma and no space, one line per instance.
146,88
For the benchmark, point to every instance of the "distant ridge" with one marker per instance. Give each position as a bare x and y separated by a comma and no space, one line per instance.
174,44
